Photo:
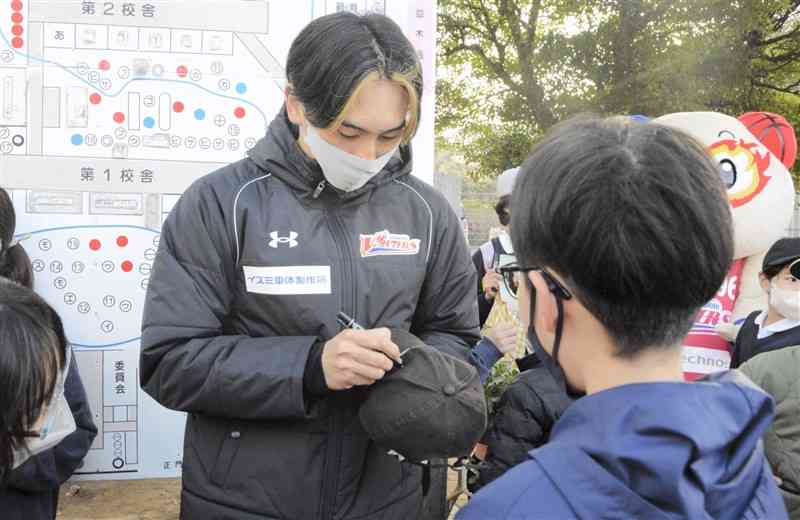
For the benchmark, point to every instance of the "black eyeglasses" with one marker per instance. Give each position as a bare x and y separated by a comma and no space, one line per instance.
507,271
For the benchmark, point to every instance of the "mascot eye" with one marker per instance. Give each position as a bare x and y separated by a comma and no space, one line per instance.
727,171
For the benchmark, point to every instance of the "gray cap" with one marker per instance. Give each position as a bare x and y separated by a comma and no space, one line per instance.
505,182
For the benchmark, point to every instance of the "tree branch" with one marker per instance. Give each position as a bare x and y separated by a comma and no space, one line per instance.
486,30
782,18
782,58
794,88
791,34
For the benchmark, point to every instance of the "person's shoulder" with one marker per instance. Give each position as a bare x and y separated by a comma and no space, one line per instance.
230,178
222,186
776,366
425,192
524,491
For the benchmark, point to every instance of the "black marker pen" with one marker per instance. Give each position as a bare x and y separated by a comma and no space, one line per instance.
350,323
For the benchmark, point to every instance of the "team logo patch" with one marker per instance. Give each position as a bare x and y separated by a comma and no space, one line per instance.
384,243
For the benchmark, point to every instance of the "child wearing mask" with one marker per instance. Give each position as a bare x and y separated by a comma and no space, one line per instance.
767,350
500,336
41,446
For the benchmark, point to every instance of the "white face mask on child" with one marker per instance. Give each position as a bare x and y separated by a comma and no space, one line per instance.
57,424
785,301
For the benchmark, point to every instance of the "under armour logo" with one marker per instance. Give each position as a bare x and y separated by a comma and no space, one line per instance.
278,240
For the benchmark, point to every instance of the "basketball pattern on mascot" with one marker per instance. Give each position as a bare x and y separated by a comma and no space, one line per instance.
774,132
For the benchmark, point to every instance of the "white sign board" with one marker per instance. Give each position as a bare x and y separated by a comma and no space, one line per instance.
108,111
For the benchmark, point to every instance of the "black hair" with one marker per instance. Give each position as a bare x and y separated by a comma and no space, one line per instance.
14,261
32,353
334,54
636,219
774,270
501,208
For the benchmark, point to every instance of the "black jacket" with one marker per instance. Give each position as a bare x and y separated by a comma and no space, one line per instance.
220,344
32,490
524,416
747,344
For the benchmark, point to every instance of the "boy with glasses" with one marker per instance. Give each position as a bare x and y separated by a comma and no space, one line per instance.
622,231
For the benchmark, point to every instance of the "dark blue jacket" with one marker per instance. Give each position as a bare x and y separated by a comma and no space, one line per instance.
32,490
661,451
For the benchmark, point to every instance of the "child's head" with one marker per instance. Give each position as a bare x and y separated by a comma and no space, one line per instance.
632,218
14,261
32,358
780,278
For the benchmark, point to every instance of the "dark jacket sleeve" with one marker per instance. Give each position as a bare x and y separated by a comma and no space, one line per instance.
48,470
188,363
484,305
518,426
447,312
483,356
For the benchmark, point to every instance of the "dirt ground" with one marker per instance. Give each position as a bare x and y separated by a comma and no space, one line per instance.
128,500
120,500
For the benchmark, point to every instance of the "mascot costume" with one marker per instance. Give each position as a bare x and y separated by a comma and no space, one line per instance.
754,154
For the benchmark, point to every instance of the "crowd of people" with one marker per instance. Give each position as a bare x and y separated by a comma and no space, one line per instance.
350,364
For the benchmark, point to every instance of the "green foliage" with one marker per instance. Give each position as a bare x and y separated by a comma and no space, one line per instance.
503,373
510,69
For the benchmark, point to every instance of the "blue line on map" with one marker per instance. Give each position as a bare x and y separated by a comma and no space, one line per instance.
105,345
21,236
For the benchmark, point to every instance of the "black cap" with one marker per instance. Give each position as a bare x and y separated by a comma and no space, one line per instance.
431,407
782,252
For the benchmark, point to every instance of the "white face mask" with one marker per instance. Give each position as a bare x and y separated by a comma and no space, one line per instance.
58,422
785,301
345,171
505,241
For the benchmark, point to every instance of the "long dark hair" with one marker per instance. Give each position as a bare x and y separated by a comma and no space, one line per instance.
334,55
32,353
14,261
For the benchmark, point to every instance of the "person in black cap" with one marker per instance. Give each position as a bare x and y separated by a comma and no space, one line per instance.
624,231
767,350
762,329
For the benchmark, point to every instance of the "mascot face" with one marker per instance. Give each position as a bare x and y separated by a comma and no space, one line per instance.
760,188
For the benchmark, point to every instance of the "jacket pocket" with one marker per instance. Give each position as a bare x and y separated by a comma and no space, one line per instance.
228,450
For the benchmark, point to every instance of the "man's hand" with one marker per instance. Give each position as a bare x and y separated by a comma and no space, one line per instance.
491,284
504,336
358,358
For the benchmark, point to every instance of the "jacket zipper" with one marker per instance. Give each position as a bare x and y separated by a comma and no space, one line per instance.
319,189
348,260
330,483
